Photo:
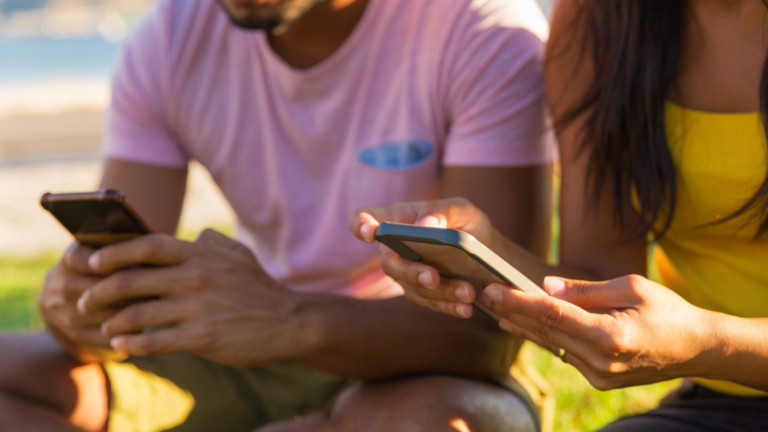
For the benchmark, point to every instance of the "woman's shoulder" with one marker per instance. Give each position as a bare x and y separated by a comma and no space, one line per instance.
569,70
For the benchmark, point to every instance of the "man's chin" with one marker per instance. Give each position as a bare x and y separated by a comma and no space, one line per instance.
247,17
250,23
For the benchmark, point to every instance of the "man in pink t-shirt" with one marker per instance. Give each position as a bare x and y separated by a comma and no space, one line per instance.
333,105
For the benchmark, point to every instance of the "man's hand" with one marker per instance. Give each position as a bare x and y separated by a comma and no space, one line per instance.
210,298
64,285
421,282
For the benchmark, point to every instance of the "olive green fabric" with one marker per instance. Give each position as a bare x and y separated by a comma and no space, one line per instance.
185,393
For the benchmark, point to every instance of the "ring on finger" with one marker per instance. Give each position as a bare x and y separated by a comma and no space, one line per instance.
562,354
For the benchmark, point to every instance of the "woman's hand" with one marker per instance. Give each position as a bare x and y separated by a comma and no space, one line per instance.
422,283
650,334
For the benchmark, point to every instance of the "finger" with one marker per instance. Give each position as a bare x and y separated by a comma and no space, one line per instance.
549,338
457,213
450,290
595,369
458,310
166,341
365,220
407,271
63,285
69,319
145,315
152,249
97,318
76,258
548,311
89,336
613,294
570,357
425,280
127,286
364,226
510,327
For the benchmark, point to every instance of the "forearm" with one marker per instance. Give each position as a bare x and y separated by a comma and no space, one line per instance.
389,338
740,353
532,266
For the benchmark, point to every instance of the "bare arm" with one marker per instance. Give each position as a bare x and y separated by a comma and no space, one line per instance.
364,339
156,193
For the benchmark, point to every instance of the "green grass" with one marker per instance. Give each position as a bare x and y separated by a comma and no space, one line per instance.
579,406
20,282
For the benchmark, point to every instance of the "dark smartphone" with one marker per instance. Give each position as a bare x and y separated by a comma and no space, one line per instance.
96,219
454,254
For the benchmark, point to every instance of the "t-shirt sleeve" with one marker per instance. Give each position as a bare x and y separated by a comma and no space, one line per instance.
496,88
138,127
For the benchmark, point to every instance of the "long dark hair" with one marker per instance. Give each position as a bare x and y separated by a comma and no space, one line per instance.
635,47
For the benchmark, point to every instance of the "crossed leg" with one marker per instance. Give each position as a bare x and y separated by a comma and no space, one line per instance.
428,404
43,388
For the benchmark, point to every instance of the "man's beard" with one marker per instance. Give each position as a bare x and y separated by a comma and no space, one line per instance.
281,17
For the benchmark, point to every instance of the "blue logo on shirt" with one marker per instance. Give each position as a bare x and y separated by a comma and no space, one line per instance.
396,156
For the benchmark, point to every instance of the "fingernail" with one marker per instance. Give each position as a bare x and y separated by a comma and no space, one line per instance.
494,293
118,344
425,279
554,286
94,262
429,221
365,230
506,326
82,307
462,293
464,311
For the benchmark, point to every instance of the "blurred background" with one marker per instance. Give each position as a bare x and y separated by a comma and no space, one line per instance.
55,61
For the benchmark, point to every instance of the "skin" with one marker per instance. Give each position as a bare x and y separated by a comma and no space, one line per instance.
208,291
316,30
646,333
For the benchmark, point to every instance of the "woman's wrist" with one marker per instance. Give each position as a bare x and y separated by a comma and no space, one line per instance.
716,346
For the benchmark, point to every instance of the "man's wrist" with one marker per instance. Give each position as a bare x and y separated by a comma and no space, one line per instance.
310,324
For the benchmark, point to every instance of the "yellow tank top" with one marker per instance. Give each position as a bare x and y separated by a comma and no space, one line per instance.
721,162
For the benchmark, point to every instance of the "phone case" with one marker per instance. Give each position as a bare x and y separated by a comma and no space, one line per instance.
393,235
68,209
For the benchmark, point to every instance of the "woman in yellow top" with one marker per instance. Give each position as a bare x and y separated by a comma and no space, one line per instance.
659,107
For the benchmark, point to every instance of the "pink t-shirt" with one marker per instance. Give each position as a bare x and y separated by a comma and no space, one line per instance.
419,84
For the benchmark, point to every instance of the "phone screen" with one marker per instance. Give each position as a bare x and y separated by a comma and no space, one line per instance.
93,217
96,219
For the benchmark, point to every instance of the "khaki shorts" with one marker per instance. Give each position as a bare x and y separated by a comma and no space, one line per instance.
185,393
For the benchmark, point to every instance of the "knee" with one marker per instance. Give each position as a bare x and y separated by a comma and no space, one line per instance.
459,405
30,360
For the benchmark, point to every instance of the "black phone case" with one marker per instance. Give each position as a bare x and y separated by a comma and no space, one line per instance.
393,235
96,218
